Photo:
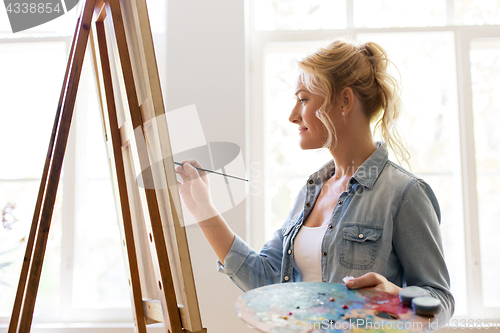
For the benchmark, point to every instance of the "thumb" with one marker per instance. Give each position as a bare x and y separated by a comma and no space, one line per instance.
368,280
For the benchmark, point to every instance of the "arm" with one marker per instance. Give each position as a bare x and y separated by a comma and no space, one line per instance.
249,269
195,192
418,245
242,264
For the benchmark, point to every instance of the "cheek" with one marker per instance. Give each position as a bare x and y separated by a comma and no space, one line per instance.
315,122
310,118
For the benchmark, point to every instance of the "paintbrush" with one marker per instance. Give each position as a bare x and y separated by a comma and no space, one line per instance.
218,173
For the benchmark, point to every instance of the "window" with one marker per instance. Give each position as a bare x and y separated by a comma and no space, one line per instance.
485,77
26,126
447,53
83,277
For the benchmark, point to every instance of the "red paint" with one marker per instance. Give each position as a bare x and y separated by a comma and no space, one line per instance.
345,306
289,313
386,303
332,299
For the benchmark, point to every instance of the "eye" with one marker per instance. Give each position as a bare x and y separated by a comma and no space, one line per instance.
302,101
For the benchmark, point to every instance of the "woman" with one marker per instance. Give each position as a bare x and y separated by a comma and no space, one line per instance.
360,214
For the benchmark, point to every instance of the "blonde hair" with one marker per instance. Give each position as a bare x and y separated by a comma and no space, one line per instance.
363,68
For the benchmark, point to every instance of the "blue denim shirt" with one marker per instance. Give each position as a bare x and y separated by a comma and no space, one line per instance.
387,221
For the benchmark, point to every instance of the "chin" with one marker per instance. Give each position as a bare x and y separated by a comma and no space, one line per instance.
309,146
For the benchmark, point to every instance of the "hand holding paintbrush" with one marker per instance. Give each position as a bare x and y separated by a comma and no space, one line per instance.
195,193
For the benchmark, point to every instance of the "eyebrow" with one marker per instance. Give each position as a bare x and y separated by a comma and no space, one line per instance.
300,91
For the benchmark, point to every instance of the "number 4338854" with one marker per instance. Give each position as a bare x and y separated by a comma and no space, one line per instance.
32,8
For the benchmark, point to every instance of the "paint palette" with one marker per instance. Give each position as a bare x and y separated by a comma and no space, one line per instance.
326,307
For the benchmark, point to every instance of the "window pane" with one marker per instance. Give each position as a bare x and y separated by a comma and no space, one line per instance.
23,194
299,15
485,75
32,75
430,128
99,279
281,136
429,124
397,13
477,12
99,271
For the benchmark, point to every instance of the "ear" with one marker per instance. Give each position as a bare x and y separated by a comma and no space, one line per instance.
346,100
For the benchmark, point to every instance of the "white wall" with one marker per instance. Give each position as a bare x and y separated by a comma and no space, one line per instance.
205,66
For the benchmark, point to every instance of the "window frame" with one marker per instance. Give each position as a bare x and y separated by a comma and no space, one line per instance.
463,35
95,318
66,313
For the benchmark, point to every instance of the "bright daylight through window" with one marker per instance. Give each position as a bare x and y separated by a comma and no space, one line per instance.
448,57
83,277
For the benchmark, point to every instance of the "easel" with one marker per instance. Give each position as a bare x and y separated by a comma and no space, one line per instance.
161,280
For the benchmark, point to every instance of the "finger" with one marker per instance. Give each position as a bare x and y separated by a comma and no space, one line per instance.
203,174
179,169
198,165
190,161
185,177
366,281
191,171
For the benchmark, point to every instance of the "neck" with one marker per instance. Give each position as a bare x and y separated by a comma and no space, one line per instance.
351,153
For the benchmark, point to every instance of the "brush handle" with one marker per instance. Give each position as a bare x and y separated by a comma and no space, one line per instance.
218,173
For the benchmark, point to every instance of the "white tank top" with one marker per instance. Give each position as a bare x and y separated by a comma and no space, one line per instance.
307,252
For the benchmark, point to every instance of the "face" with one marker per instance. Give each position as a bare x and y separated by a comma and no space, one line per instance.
312,132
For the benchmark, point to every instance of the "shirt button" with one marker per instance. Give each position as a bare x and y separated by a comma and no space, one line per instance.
324,254
330,226
289,251
361,236
286,278
308,204
340,202
324,280
311,181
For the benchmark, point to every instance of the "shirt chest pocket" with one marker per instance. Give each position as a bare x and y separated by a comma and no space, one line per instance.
359,245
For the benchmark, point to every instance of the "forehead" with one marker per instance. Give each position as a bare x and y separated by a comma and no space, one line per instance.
298,83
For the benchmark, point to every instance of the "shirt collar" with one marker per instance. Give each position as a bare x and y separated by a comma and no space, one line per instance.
366,174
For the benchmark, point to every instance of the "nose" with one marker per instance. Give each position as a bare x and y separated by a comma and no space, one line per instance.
295,115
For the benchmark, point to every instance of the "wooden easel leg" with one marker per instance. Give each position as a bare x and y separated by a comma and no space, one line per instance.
34,224
169,311
26,293
157,239
134,281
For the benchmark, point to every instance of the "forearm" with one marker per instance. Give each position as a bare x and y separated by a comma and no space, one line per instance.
216,231
418,244
447,305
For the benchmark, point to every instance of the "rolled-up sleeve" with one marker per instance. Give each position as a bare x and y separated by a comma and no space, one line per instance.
418,246
249,269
